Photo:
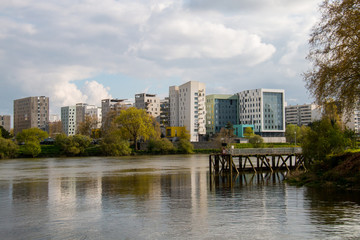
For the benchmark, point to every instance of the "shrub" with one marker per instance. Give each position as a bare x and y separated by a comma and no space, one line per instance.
162,145
114,145
257,141
8,149
31,148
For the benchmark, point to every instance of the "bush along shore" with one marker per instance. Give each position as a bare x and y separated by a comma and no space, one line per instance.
336,171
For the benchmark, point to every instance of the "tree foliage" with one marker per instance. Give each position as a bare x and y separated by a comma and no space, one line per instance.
184,145
257,141
8,149
85,128
334,53
162,145
135,124
72,145
325,137
248,132
31,148
31,134
55,128
114,145
4,133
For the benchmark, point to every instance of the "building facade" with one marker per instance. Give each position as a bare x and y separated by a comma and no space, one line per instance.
68,120
353,122
116,105
265,109
84,109
220,109
149,102
187,108
302,114
31,112
5,122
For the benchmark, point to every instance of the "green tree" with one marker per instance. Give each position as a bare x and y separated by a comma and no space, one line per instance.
31,148
334,53
135,124
257,141
4,133
162,145
184,145
324,137
248,132
291,132
8,149
114,145
72,145
31,138
31,134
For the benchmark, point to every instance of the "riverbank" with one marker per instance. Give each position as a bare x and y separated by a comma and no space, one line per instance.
341,171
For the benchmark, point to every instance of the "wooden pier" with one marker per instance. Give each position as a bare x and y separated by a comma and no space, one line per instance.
235,161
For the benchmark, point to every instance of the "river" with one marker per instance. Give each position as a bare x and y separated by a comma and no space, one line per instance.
163,197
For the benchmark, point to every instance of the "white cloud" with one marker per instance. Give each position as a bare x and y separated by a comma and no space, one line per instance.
95,92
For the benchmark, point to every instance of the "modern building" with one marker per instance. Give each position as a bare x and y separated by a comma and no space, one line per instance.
149,102
31,112
68,120
265,109
240,130
5,122
84,109
220,109
302,114
164,113
187,108
108,105
353,122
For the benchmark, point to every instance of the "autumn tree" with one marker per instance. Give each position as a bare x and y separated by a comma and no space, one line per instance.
85,127
55,128
135,124
334,53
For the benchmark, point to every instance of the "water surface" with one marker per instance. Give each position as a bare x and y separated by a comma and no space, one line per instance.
163,197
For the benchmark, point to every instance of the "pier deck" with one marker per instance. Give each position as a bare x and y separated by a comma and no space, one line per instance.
254,159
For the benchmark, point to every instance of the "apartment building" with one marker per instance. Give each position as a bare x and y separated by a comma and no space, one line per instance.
108,105
68,120
220,109
302,114
265,109
84,109
187,108
353,122
31,112
164,113
5,122
149,102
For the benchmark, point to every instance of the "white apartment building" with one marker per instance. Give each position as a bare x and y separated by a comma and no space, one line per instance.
354,121
149,102
68,120
95,113
302,114
265,109
187,108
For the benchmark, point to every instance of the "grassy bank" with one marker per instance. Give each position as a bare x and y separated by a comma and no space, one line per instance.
340,171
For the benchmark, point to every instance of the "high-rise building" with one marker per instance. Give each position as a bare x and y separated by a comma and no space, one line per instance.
149,102
187,108
31,112
164,113
68,120
5,122
265,109
302,114
220,109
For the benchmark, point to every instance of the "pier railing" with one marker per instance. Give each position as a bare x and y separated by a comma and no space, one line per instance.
265,151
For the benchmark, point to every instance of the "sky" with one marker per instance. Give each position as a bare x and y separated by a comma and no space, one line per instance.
76,51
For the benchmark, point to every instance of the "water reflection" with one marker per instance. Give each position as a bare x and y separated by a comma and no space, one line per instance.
161,198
